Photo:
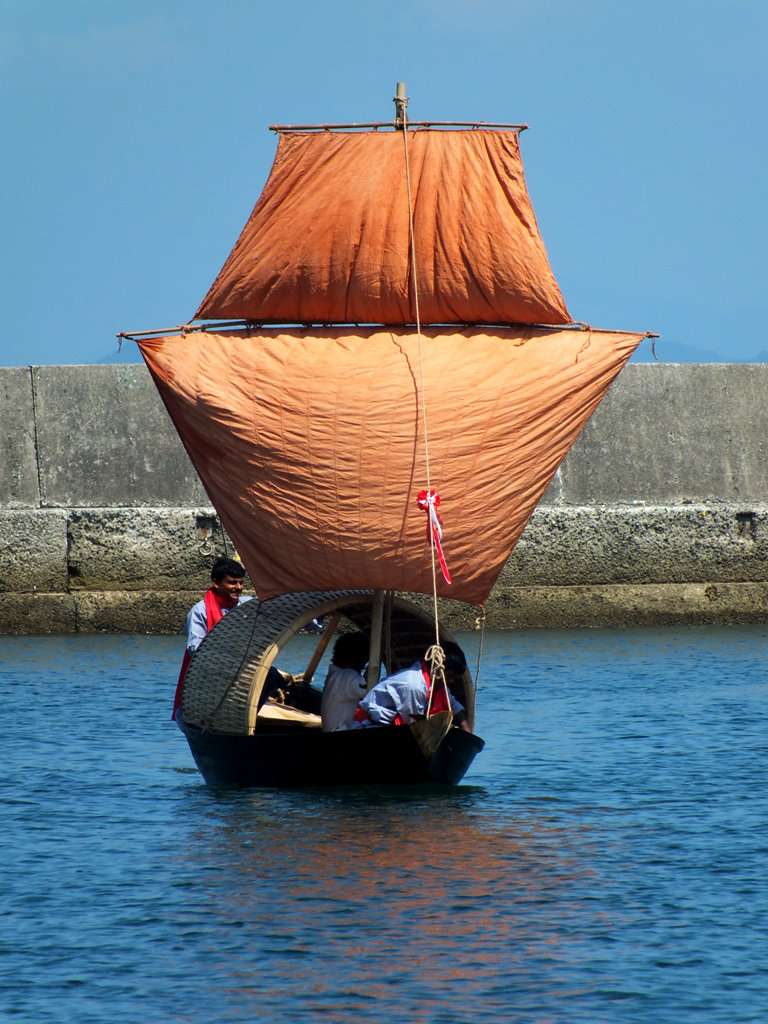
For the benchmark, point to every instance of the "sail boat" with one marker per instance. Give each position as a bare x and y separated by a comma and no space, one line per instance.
385,337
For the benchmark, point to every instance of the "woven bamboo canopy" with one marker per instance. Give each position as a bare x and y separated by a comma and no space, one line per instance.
226,676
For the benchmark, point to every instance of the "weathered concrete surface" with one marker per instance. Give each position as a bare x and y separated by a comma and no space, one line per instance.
33,550
104,439
93,612
18,462
165,549
121,612
665,433
614,606
37,614
671,433
143,549
628,605
639,544
659,514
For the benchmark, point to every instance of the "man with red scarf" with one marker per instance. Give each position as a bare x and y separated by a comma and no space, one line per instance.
224,593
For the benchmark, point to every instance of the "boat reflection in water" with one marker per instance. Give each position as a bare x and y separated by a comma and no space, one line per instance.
339,881
432,364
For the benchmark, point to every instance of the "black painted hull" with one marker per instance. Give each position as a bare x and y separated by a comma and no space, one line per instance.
364,757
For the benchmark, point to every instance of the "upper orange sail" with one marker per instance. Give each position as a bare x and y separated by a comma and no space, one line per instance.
329,239
311,444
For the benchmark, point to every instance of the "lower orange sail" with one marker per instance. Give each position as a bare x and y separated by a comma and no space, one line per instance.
311,443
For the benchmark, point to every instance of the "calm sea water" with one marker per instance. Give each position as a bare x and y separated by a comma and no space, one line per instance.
605,859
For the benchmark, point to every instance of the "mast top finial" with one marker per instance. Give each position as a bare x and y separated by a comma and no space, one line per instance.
401,102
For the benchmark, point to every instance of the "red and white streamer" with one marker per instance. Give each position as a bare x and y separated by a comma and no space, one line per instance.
428,502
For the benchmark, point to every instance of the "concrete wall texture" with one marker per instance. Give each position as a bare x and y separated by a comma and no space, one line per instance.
658,515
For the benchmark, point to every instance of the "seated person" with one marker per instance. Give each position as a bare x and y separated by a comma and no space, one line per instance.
272,684
403,697
344,684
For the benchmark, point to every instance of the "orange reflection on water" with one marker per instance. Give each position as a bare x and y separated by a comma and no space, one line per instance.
347,895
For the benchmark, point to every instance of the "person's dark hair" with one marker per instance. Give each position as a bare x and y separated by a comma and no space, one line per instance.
454,658
351,649
227,567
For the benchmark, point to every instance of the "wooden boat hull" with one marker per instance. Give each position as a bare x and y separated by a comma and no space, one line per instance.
379,756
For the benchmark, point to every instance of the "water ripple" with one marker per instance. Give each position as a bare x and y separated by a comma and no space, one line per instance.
605,860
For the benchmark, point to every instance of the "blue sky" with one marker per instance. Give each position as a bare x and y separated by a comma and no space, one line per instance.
136,142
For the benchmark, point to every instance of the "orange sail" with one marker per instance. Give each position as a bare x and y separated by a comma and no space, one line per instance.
311,443
314,442
329,239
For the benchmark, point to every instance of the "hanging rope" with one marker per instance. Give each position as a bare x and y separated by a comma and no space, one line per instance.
414,280
428,499
479,624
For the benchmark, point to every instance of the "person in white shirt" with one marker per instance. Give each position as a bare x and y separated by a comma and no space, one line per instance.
345,683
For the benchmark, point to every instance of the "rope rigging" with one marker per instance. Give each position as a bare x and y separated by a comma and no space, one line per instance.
427,499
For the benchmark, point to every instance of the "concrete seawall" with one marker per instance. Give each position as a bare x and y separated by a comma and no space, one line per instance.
658,515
